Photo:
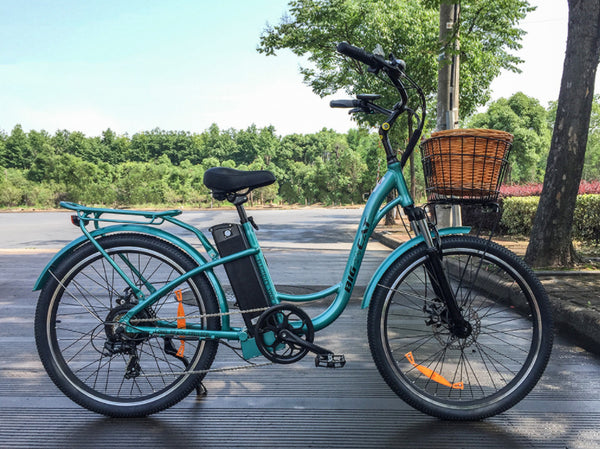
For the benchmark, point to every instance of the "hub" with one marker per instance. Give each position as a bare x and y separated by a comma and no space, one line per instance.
118,341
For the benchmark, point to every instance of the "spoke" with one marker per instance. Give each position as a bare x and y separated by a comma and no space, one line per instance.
108,284
66,348
91,312
493,359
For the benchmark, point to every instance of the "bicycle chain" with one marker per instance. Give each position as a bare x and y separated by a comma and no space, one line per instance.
207,315
213,370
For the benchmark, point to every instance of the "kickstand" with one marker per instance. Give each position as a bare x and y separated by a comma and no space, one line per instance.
200,391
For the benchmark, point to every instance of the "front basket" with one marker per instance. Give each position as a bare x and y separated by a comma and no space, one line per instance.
465,165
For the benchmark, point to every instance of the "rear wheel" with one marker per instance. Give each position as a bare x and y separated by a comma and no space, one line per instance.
100,365
495,365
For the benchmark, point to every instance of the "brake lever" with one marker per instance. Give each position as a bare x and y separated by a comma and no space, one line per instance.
361,109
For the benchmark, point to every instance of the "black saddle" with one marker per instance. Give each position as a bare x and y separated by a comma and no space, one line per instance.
225,182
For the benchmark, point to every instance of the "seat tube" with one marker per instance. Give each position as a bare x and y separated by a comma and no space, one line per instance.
261,262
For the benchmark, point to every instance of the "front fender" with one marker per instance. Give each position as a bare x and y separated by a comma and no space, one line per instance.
399,252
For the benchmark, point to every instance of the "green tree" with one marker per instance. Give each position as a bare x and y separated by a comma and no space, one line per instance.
2,147
591,166
142,182
80,146
247,146
219,144
409,28
37,141
17,149
44,165
113,148
526,119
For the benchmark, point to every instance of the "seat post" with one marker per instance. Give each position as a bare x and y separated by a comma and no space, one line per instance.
239,205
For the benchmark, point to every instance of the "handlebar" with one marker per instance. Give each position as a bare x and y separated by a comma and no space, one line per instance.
345,103
394,69
359,54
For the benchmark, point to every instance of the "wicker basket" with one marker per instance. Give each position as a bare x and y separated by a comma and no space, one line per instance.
465,165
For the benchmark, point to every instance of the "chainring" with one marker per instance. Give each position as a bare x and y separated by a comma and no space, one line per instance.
272,326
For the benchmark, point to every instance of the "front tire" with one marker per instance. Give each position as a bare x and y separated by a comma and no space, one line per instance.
461,378
90,359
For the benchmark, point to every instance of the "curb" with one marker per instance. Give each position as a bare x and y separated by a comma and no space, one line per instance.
577,323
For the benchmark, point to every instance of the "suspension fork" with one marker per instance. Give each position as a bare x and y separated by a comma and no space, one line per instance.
440,282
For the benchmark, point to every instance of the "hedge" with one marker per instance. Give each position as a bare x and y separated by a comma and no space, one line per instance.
519,212
586,223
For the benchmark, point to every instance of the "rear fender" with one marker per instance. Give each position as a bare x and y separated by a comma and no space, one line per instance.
155,232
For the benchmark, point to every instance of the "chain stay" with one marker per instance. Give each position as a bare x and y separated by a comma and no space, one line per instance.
248,365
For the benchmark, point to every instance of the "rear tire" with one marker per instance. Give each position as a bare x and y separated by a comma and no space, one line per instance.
461,378
117,373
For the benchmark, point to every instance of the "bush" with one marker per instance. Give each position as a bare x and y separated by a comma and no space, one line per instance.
586,220
535,189
520,190
518,214
589,187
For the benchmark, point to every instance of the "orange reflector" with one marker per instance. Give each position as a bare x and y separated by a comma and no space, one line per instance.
180,320
433,375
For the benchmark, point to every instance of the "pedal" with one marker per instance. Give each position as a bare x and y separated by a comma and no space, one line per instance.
330,360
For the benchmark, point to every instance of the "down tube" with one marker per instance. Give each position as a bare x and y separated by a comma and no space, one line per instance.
372,214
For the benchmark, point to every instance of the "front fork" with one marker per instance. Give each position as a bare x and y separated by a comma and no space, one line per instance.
459,327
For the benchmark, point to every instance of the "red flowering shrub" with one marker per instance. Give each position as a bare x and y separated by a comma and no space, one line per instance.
589,187
507,191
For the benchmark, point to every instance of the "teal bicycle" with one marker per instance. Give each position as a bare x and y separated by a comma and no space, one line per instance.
130,316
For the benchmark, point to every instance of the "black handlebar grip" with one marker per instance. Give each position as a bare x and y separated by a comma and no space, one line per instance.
344,103
358,53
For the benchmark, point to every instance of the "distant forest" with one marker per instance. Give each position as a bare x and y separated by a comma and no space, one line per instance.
165,168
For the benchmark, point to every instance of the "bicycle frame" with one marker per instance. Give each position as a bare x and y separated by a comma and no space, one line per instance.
372,215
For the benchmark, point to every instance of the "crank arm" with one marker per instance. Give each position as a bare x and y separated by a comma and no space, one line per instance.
289,337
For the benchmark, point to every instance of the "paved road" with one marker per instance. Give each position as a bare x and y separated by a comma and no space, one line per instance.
276,406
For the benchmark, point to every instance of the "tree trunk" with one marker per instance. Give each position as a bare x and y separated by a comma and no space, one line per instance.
550,243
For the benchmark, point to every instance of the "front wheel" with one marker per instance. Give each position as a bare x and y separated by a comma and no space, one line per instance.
476,376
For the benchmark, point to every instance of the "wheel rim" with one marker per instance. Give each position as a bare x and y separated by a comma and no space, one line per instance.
80,315
483,368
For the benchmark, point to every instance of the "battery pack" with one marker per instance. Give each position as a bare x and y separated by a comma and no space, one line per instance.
243,273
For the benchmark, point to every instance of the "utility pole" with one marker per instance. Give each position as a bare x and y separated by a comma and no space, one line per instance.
448,91
448,69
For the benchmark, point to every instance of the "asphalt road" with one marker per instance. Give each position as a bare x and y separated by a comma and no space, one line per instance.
276,406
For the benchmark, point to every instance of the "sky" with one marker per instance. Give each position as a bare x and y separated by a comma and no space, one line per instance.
136,65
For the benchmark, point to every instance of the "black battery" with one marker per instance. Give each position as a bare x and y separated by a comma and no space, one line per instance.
243,273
